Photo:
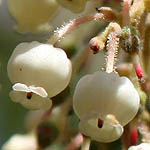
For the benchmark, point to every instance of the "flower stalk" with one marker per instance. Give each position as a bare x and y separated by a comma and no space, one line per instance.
125,12
112,48
86,143
102,14
75,143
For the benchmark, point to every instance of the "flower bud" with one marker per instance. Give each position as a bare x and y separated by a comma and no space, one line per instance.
134,136
107,97
130,40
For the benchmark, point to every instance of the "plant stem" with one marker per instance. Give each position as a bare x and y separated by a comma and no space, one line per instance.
64,29
126,138
112,47
146,50
86,143
75,143
125,12
136,12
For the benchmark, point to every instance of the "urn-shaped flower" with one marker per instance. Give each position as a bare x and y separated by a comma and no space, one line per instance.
40,69
105,102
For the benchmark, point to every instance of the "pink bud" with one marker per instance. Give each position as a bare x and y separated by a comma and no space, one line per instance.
134,136
139,72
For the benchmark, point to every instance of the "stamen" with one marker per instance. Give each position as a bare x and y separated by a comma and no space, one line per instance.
100,123
29,95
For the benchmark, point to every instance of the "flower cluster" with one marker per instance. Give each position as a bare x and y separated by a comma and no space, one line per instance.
106,100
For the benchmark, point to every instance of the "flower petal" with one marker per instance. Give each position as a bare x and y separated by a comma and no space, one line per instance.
39,91
16,96
37,102
20,87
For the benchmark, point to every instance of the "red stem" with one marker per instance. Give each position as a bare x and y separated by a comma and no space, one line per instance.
126,15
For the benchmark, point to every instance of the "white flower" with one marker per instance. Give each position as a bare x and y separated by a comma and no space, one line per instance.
30,97
32,15
105,103
21,142
40,69
143,146
75,6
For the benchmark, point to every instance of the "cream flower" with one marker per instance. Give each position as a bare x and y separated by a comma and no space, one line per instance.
76,6
40,69
142,146
30,97
105,103
32,15
21,142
